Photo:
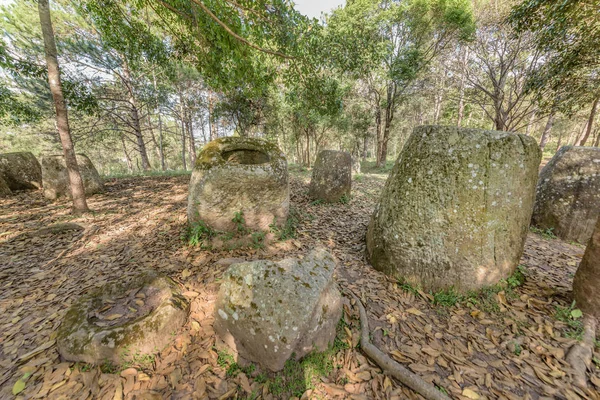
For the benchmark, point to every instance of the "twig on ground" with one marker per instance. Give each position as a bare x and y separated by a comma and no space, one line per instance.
390,366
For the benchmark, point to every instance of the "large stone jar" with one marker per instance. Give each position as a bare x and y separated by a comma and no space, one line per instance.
20,171
455,209
568,194
56,177
332,176
239,175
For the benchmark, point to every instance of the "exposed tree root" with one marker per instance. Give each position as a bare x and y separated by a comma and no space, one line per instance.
580,355
390,366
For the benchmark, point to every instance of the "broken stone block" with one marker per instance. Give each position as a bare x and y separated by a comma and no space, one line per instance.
332,176
268,311
455,209
237,174
21,171
56,177
122,321
568,194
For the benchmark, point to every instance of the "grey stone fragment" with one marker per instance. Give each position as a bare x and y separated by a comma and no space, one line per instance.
568,194
103,325
331,176
266,311
56,177
455,209
20,171
236,174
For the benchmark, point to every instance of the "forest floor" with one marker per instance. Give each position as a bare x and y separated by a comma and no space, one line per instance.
508,341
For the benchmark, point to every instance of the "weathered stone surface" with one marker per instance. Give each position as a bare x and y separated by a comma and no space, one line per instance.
102,326
586,284
331,176
4,189
236,174
568,194
266,311
56,177
455,209
21,171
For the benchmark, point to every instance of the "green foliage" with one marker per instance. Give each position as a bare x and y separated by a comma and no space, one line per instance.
197,233
258,239
568,32
289,229
447,298
571,317
345,199
485,299
240,222
545,233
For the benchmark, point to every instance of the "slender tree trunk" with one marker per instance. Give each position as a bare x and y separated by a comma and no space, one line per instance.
378,136
461,89
547,130
560,135
365,146
160,133
590,124
192,143
388,117
127,158
182,132
211,127
135,118
62,118
597,144
307,148
531,119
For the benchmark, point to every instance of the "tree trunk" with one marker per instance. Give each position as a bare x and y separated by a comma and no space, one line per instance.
127,158
211,127
365,145
62,118
586,284
160,133
590,124
546,135
182,132
461,89
531,119
378,136
388,117
135,119
192,143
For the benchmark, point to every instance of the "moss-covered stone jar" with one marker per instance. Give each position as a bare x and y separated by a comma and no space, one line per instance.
122,321
236,175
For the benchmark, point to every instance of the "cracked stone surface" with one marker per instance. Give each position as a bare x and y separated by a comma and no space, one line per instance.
455,209
568,194
268,311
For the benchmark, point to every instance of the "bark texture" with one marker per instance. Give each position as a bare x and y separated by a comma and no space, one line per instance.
62,120
455,209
